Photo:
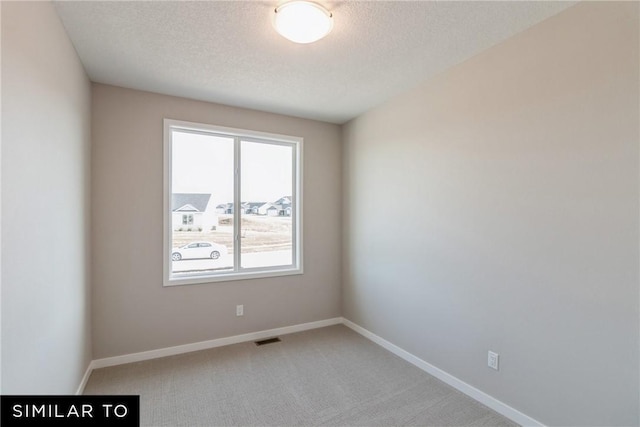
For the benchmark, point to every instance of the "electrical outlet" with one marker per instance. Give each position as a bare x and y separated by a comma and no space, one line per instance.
493,360
239,310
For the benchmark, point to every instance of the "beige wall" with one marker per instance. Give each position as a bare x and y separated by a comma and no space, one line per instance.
132,311
493,207
496,207
46,345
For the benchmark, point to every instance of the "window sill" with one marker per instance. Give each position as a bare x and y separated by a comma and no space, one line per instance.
221,277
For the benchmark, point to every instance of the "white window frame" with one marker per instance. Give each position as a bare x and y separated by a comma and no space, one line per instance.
239,273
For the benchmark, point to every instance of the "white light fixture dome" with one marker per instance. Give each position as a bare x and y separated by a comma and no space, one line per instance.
302,21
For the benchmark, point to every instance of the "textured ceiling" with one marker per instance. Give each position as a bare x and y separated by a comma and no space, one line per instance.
228,52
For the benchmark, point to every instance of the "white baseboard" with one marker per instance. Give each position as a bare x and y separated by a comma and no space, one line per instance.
85,378
482,397
204,345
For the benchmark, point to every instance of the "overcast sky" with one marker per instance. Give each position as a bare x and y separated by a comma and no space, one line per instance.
204,164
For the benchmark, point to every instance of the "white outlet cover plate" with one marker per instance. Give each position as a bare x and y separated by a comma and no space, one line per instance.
493,360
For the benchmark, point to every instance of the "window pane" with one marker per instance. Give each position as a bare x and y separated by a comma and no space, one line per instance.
266,194
202,194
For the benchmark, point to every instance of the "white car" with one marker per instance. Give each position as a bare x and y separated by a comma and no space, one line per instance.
198,250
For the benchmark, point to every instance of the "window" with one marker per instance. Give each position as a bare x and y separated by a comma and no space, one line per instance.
242,192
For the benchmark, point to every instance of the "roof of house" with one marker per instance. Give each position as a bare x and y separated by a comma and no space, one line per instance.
285,200
186,208
199,201
253,204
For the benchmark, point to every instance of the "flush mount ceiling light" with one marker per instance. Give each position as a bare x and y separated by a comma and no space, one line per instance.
302,21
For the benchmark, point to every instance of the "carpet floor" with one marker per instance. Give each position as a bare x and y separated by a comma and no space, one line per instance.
326,377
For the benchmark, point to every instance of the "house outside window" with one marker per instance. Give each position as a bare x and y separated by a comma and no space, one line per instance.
209,170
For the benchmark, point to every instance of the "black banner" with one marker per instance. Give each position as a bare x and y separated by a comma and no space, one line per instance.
122,411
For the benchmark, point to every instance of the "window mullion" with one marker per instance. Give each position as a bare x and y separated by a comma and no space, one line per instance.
294,205
237,211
